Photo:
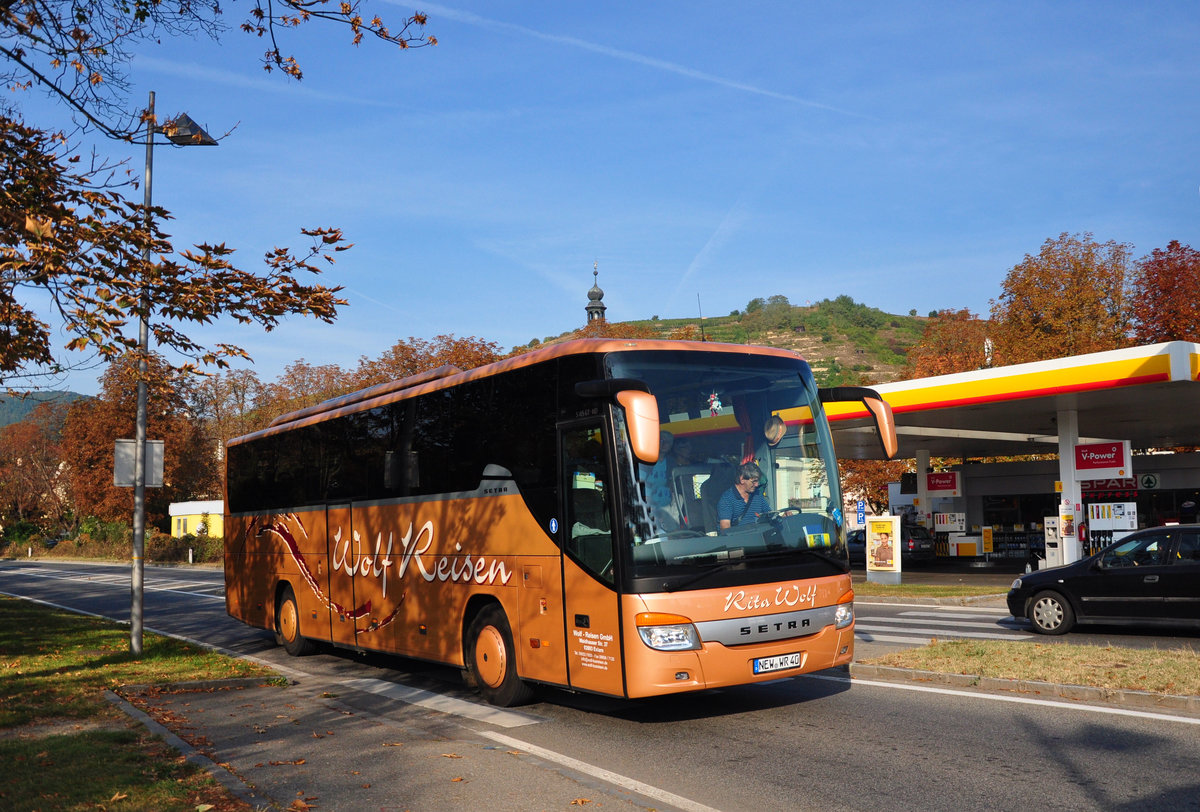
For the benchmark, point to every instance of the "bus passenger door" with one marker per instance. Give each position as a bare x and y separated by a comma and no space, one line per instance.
343,561
590,601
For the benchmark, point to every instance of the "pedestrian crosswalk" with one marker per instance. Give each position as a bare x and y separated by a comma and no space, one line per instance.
920,626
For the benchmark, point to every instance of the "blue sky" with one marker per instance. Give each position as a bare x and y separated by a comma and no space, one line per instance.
904,154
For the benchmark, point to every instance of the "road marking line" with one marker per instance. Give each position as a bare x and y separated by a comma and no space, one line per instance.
958,624
121,580
958,614
608,776
444,704
889,638
944,632
1020,700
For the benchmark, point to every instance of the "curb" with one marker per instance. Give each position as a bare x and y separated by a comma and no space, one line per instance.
1143,700
227,779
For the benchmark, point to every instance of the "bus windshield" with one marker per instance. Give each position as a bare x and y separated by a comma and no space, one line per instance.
746,477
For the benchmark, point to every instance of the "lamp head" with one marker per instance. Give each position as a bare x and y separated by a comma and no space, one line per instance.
185,132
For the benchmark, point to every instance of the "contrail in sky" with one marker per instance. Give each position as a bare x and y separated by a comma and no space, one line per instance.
273,84
628,56
729,225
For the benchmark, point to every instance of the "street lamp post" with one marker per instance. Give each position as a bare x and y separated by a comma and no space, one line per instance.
183,132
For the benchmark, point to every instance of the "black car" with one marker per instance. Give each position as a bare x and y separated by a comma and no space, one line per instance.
916,544
1151,576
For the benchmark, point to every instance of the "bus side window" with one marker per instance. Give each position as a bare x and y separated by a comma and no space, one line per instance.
589,528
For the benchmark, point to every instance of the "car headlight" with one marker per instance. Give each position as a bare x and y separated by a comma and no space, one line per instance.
844,616
664,632
1016,584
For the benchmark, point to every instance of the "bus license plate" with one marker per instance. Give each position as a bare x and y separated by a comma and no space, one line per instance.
764,664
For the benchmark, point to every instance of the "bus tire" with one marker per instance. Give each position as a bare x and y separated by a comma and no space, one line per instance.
492,661
287,626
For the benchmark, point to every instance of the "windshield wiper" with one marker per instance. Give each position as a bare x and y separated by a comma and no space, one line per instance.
699,576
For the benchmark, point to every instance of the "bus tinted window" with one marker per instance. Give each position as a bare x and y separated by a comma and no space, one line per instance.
433,444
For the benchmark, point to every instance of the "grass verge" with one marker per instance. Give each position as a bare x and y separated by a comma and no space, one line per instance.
63,745
871,589
1169,671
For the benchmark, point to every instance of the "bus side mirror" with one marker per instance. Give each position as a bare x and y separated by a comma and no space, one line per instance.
641,415
878,408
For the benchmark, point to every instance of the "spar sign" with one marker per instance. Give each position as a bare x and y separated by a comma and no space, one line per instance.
1107,460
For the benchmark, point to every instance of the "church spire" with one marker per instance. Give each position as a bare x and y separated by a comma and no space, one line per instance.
595,306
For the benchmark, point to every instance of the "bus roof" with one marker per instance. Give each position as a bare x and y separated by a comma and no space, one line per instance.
448,376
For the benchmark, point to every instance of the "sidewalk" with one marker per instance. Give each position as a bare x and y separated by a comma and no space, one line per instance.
302,746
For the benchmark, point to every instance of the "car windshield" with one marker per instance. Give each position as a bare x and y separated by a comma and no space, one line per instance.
746,477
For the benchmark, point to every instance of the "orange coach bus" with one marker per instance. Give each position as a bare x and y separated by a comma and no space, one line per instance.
553,519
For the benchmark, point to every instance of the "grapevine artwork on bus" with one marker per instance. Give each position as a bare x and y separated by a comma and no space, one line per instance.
285,528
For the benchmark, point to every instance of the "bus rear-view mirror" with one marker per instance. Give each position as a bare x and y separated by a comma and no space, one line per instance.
641,416
878,408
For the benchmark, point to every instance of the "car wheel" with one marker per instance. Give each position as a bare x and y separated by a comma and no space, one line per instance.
287,626
1051,614
492,661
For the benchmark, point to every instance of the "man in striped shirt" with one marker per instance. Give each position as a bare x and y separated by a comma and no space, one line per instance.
742,503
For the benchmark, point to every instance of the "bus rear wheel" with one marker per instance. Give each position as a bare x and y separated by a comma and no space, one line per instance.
287,626
491,659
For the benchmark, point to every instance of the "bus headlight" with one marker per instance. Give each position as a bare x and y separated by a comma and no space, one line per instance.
844,616
664,632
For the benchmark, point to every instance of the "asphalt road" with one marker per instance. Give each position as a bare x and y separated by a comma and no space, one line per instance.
815,742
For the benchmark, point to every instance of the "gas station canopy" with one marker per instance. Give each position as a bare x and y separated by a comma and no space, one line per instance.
1147,395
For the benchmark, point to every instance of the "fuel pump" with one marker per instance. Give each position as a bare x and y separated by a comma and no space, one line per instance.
1054,550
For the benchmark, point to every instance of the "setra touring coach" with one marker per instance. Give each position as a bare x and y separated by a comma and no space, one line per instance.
552,519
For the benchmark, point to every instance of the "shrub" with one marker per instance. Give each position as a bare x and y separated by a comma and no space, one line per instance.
19,532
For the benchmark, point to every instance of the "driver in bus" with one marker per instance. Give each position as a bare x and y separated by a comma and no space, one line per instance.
742,503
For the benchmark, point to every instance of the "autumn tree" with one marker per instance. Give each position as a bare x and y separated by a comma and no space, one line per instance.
229,404
33,487
70,236
93,425
301,385
953,341
1166,295
1072,298
81,53
84,248
869,479
414,355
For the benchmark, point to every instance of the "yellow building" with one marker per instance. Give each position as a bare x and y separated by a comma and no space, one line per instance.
198,518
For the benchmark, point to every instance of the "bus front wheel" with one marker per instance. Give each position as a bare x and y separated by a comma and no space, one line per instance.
491,659
287,626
